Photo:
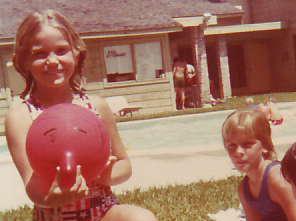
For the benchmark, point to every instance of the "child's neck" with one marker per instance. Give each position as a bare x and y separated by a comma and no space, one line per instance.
44,98
258,171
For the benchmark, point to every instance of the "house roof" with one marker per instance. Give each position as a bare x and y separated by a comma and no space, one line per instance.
103,16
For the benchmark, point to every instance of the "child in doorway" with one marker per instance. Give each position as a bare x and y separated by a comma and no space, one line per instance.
49,54
264,193
179,76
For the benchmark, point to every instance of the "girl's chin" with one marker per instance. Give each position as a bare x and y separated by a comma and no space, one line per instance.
59,81
243,168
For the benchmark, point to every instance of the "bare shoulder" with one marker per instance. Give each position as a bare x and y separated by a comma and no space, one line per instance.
277,185
17,110
101,106
275,177
17,117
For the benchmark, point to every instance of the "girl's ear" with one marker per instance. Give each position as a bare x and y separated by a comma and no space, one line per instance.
76,54
265,153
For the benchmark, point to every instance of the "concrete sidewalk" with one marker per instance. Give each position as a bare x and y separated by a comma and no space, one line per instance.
152,170
201,157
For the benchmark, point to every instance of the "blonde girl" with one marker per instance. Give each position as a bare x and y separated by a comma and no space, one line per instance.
49,54
264,193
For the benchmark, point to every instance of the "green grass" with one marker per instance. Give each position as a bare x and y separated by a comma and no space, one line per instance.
175,202
230,103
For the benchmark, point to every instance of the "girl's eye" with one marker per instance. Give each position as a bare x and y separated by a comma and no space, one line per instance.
247,145
39,54
231,147
61,51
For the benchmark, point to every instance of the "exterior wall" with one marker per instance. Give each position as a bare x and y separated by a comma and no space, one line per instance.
269,66
153,96
233,20
282,48
283,63
258,70
9,77
93,67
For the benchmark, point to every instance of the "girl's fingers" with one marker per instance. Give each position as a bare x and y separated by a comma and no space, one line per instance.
84,187
111,160
78,180
58,169
78,170
58,175
76,186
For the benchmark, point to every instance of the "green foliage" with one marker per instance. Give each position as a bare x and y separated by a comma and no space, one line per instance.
21,214
175,202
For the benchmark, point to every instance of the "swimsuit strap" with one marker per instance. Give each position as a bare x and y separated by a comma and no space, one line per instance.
78,99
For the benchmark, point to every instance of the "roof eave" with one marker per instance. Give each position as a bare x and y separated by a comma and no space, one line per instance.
100,35
233,29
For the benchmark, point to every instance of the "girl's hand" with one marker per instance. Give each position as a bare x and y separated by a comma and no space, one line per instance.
112,159
104,178
57,197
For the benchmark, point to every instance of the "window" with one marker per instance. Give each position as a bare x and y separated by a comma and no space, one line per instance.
148,60
118,59
121,60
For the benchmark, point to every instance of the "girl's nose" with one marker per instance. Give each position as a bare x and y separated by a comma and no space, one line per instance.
52,60
239,151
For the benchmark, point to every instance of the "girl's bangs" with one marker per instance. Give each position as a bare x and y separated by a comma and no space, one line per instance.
242,123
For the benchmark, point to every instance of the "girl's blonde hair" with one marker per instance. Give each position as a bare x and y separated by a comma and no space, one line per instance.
254,124
30,26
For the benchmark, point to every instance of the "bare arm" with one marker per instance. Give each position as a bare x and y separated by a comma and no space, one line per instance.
119,170
17,124
250,213
281,192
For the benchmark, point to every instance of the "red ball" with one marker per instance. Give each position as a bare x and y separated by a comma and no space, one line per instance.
68,135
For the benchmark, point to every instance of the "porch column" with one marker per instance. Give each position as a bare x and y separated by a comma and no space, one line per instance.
224,67
200,63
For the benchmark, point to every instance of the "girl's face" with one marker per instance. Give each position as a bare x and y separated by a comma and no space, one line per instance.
52,61
244,150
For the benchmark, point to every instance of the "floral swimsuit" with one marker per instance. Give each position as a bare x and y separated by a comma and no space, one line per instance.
91,208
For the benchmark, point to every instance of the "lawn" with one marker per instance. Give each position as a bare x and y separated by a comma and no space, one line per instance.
190,202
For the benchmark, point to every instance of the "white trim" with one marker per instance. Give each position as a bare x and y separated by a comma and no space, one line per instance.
114,35
231,29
